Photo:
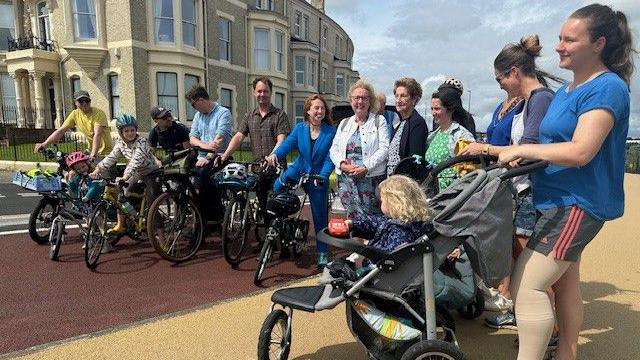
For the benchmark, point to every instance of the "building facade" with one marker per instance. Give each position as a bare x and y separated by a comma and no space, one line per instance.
131,55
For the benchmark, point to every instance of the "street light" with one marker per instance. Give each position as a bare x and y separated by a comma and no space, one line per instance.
469,106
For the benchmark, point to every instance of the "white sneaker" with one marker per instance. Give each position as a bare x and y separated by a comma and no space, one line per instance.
498,303
106,248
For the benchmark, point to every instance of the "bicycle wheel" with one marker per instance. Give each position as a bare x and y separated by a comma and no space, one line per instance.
55,238
275,337
175,227
235,229
100,222
41,219
263,259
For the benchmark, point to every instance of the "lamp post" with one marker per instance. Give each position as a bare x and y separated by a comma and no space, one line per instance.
469,106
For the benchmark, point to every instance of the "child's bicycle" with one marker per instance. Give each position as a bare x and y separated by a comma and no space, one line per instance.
104,217
239,180
285,232
48,207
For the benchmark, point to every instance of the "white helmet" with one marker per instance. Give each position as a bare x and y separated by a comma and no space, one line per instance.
454,83
234,171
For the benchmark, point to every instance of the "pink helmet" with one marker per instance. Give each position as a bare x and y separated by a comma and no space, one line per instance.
76,157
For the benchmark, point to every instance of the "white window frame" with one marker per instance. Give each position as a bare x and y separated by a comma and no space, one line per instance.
279,50
312,72
190,111
114,95
230,107
299,72
76,24
279,100
175,110
262,51
265,5
4,44
7,91
44,22
222,42
305,26
325,35
189,23
298,117
155,24
340,92
297,24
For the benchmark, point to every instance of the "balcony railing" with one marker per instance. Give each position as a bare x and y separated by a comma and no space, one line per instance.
30,42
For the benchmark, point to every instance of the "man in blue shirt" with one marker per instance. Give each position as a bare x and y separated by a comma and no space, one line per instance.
391,117
211,131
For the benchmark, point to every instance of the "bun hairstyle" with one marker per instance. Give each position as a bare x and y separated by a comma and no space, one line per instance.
617,54
523,56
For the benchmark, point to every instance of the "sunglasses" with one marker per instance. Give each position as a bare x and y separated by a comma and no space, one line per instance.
502,75
83,101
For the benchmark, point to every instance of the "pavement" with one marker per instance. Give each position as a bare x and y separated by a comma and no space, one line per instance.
229,329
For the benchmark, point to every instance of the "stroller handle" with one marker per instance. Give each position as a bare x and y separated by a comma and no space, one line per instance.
482,159
526,167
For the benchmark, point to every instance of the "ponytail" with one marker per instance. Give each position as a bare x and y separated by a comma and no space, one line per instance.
618,51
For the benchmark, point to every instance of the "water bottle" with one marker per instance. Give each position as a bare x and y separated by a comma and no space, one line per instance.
128,209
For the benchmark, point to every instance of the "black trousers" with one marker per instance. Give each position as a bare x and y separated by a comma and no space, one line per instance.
209,197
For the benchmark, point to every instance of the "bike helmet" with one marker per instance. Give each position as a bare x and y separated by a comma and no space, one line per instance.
234,171
76,157
284,204
125,120
455,83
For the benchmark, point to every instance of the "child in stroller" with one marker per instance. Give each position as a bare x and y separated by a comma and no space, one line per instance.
391,310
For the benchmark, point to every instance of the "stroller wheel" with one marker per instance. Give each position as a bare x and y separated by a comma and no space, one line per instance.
475,309
275,337
433,350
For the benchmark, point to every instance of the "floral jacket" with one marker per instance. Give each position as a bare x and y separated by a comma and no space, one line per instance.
387,234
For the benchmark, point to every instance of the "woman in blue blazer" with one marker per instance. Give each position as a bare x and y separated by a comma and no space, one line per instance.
312,138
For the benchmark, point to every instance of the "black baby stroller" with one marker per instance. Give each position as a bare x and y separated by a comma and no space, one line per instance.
391,310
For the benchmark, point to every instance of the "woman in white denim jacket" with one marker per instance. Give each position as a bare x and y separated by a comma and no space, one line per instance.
359,152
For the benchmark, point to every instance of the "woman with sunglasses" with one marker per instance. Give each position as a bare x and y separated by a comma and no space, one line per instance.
583,137
517,74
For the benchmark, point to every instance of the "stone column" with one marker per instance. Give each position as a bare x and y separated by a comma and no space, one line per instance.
39,105
17,83
57,89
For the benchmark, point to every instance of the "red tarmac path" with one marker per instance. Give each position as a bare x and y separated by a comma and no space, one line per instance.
43,301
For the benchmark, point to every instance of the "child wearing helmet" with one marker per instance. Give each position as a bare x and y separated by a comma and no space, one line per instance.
141,163
79,168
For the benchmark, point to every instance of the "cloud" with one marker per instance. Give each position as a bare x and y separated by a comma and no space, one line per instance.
433,40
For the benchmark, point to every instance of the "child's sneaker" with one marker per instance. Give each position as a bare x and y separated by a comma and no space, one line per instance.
116,230
502,321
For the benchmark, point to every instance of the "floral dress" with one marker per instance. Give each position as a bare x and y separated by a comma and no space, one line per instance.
358,196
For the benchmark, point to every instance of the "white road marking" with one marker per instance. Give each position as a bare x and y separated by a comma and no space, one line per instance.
2,196
13,232
28,194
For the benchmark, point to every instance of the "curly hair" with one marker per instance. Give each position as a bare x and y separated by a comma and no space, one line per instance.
412,86
404,199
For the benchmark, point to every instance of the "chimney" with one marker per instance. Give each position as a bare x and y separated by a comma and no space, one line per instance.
318,4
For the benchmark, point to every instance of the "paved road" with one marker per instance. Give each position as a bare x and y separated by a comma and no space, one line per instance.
16,200
43,301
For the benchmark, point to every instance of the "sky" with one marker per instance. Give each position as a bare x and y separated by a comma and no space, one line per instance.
431,40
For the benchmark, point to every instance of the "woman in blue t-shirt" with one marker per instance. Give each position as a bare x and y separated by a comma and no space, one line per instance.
583,136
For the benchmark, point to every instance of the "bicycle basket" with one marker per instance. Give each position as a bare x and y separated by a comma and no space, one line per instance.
38,182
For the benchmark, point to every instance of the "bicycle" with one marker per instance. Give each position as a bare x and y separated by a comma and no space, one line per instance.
242,211
174,224
284,231
41,218
104,218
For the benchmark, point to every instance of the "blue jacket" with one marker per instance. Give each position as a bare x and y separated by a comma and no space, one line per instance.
387,234
317,162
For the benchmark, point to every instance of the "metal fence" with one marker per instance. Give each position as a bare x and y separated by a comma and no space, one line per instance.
30,42
11,151
25,117
633,158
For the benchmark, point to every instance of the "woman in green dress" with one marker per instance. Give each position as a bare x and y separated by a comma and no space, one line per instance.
448,114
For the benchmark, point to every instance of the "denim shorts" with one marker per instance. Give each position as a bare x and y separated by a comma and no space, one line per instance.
525,217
